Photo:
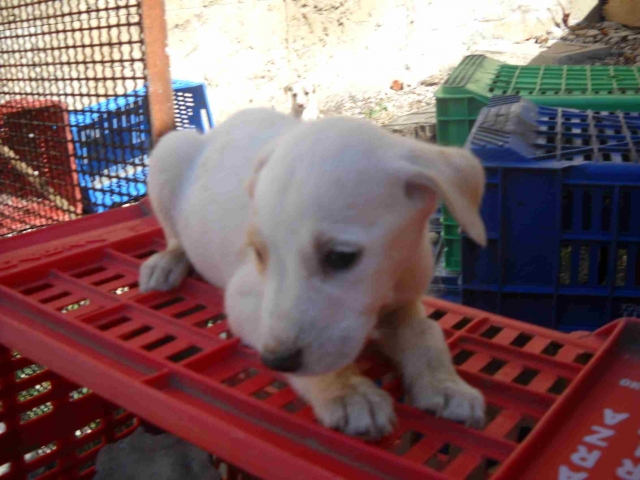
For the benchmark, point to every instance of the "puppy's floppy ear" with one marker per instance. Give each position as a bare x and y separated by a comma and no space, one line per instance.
288,89
454,175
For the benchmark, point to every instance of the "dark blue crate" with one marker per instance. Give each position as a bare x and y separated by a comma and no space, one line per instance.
562,210
112,141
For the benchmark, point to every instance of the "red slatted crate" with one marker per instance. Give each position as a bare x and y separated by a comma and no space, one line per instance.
37,163
69,300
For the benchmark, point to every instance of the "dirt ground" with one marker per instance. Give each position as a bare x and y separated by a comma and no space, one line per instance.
386,105
247,51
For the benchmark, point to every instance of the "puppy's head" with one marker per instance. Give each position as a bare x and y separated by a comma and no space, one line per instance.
339,234
301,94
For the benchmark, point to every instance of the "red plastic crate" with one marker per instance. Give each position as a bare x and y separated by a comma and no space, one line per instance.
37,133
20,215
38,406
69,300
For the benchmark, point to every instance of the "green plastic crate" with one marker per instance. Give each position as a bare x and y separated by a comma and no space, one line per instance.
478,78
452,242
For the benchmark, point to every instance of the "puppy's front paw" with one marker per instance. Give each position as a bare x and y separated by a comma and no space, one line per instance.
362,409
163,271
449,397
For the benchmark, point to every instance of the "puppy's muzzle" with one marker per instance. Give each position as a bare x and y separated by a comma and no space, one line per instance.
283,362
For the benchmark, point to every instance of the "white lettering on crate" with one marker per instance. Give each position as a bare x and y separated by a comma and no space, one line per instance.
630,470
565,474
585,457
632,384
597,438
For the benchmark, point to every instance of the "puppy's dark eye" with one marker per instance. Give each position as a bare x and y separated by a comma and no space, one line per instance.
340,260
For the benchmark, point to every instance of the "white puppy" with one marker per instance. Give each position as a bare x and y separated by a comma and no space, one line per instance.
304,103
327,249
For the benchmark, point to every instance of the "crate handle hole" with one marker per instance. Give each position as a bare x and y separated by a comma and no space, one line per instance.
240,377
168,303
443,457
226,335
559,386
485,469
521,340
161,342
109,279
552,349
136,332
603,265
521,430
40,472
437,314
271,389
75,306
491,332
462,356
460,324
407,441
210,322
124,288
583,358
491,413
493,366
89,271
41,287
116,322
294,406
184,354
526,376
57,296
190,311
145,254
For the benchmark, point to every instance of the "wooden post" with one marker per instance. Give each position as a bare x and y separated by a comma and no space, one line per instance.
154,31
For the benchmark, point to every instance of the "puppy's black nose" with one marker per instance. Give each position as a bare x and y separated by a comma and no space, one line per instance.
288,362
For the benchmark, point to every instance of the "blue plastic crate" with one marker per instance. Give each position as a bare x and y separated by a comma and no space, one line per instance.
562,210
112,140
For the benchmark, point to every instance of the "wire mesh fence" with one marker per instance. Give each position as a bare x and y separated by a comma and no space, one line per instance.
74,114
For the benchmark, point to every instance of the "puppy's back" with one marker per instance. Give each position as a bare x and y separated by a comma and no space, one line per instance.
212,208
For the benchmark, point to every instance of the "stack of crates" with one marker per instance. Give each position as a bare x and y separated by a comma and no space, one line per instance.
69,301
39,179
562,210
112,140
478,78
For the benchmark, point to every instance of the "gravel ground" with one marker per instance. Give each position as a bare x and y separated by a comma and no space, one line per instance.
625,42
387,105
